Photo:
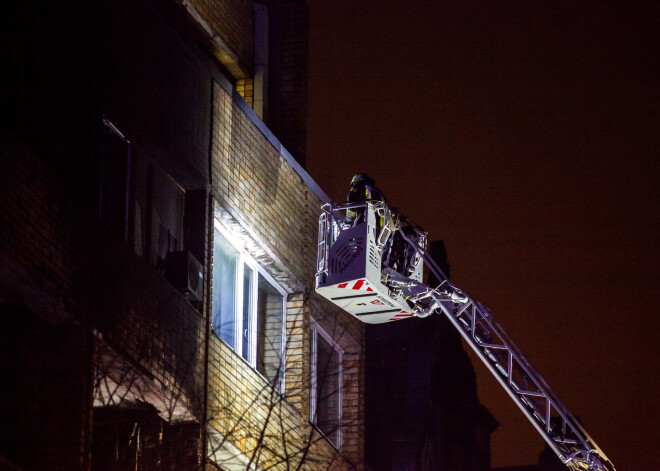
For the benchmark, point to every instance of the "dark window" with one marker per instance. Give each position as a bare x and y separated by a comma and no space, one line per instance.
114,164
326,385
270,325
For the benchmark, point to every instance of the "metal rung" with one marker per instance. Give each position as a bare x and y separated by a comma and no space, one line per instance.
492,346
530,393
574,453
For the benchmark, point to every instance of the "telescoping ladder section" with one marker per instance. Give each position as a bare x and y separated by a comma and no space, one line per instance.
359,253
516,375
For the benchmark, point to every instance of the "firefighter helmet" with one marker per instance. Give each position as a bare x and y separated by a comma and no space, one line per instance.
362,178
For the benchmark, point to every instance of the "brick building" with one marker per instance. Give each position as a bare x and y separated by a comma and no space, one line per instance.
157,259
158,245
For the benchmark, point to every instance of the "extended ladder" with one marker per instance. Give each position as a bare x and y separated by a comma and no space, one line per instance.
563,433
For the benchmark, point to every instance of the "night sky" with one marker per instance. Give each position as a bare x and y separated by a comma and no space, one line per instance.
525,136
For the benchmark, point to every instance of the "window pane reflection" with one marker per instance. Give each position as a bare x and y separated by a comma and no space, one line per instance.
270,310
248,274
327,389
225,266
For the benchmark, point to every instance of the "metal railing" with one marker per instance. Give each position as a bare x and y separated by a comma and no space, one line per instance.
559,428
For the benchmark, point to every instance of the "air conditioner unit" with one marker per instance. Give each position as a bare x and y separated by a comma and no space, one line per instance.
186,274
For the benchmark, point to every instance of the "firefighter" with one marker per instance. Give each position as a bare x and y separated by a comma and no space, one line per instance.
363,189
403,253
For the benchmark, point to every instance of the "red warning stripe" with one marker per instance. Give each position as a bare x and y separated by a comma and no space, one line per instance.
400,316
358,285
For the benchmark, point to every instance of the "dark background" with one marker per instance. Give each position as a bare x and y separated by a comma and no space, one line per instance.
525,136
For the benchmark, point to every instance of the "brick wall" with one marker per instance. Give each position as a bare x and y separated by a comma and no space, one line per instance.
57,260
150,342
250,177
253,419
45,355
231,23
143,318
42,258
263,196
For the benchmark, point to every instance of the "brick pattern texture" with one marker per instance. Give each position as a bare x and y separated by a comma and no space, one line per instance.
66,269
253,181
39,251
150,342
233,21
141,315
250,176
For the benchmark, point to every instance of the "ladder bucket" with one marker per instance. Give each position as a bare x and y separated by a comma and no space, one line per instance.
351,260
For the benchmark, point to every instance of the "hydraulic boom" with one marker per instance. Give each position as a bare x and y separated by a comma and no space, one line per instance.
373,270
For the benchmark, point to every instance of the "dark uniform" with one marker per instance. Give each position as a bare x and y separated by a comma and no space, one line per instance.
363,189
402,253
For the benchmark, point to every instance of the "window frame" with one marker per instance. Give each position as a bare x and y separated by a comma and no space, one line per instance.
141,174
106,186
315,331
245,259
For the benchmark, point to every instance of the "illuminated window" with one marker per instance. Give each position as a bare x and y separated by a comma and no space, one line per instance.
326,385
245,87
248,308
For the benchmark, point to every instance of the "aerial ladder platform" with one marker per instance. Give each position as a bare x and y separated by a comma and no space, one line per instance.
372,267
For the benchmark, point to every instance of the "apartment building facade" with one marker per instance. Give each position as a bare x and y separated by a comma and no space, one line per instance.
158,245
